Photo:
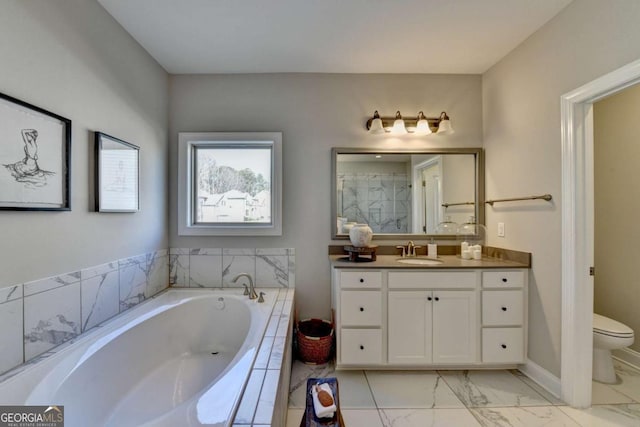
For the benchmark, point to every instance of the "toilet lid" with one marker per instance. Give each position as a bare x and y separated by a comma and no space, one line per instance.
606,326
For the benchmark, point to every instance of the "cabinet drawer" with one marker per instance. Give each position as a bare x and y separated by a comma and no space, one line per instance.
361,346
503,279
502,308
502,345
361,279
432,279
360,308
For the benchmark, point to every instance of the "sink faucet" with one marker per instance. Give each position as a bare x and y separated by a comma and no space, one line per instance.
409,250
252,289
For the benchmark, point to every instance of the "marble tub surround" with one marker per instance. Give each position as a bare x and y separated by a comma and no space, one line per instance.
264,401
42,314
11,293
451,398
12,332
51,318
100,298
216,267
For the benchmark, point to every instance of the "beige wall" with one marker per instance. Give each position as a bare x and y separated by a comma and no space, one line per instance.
70,57
458,186
617,205
314,112
521,114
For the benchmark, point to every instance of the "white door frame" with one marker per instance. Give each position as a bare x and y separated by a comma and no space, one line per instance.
417,209
578,231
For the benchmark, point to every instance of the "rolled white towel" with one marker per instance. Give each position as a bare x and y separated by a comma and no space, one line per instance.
320,410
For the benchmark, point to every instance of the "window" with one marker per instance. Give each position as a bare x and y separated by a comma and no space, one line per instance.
230,184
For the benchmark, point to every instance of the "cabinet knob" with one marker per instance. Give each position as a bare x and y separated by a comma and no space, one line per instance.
503,346
429,298
504,280
361,308
437,298
504,308
361,347
361,280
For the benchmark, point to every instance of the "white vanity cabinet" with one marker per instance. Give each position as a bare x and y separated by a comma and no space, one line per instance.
432,327
503,316
358,305
437,325
413,318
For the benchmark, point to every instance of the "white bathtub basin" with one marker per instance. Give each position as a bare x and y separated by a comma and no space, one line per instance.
180,359
419,261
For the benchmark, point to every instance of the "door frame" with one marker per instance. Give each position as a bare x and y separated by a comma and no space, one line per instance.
418,192
578,229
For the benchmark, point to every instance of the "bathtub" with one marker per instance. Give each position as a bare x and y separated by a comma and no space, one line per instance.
179,359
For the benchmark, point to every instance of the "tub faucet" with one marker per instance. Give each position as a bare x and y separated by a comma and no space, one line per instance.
252,289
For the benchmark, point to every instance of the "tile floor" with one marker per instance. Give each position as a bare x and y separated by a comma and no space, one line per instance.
465,399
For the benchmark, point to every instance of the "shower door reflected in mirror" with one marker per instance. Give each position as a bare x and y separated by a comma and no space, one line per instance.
375,193
399,194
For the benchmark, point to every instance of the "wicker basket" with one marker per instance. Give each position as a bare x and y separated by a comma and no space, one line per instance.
315,341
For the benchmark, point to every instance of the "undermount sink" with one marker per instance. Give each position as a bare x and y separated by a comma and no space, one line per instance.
419,261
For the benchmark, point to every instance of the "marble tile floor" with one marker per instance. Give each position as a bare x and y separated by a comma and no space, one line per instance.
503,398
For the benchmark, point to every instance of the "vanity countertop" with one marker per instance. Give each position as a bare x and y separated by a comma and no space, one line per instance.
448,261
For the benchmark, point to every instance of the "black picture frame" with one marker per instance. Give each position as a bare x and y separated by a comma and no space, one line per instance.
117,180
35,158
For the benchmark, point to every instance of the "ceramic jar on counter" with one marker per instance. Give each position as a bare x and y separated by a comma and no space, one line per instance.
360,235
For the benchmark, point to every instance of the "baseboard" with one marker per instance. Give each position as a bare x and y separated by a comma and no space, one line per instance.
629,356
542,377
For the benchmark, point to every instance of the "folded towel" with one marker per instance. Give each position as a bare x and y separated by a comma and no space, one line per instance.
323,411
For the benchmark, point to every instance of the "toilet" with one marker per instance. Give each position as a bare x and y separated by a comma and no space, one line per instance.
608,335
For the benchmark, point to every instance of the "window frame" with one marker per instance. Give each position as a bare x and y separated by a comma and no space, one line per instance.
187,187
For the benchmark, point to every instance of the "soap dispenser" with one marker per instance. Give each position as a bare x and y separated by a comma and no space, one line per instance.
432,249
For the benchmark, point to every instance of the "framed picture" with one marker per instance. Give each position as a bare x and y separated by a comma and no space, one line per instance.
35,158
117,165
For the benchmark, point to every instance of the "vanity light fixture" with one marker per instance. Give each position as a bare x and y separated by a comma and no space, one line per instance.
374,125
398,127
444,127
421,125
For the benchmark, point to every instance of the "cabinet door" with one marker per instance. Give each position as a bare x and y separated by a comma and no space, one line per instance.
409,330
455,328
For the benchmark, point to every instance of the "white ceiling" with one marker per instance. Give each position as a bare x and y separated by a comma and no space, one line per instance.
331,36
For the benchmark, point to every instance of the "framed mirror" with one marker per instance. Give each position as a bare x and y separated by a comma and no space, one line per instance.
406,193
